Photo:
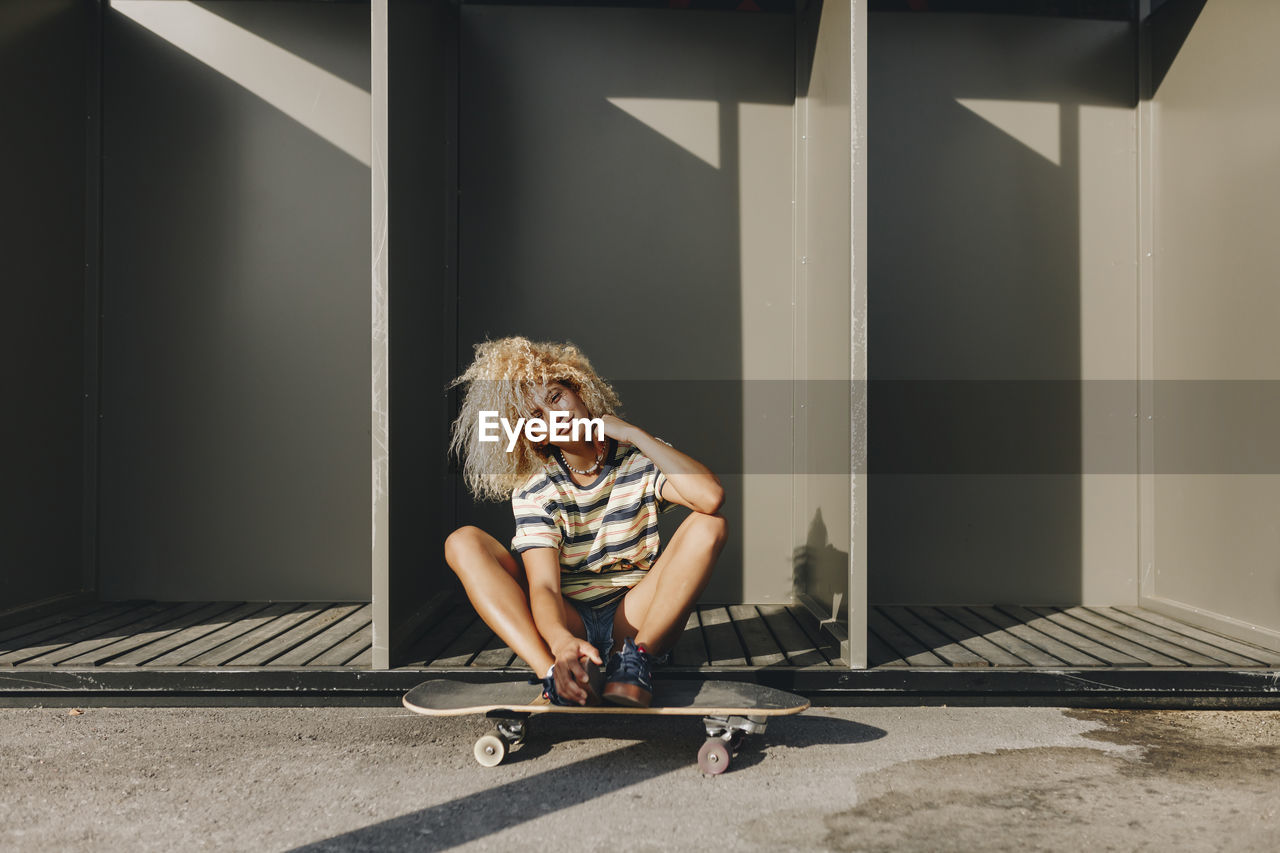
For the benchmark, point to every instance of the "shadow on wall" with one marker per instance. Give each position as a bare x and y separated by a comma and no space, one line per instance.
820,571
601,204
975,308
235,332
1167,28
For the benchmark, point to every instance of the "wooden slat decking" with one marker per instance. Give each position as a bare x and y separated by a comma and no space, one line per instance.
916,636
1050,637
205,634
301,635
746,636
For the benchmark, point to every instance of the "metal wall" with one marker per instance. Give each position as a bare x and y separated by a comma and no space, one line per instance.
235,335
422,283
1213,550
828,529
46,56
1002,310
626,184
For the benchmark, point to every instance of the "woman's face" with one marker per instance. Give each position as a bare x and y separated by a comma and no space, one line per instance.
558,397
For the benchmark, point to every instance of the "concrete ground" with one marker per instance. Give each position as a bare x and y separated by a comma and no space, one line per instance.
856,779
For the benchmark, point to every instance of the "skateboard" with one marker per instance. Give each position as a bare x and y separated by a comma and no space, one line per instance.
730,711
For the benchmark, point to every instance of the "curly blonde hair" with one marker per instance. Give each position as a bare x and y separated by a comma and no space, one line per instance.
503,379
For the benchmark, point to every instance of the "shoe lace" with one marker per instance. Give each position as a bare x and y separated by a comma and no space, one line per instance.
633,662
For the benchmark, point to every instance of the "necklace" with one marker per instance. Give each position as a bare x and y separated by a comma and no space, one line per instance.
565,462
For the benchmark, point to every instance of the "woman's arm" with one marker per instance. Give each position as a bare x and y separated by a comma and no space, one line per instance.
542,566
693,483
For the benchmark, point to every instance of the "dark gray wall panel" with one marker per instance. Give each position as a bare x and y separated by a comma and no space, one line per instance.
579,222
44,48
422,97
235,392
990,262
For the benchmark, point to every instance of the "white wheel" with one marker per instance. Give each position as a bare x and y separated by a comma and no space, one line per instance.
490,749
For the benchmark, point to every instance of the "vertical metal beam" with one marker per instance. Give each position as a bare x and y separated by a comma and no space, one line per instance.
1146,311
857,651
829,334
800,284
379,432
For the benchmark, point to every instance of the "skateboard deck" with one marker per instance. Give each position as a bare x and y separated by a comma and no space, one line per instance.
731,710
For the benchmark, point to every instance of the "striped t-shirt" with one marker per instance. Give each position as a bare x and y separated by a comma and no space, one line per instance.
606,532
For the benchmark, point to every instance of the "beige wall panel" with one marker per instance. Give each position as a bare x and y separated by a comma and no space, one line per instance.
1223,559
1216,186
1109,539
1003,310
824,292
1108,241
379,356
765,214
1108,355
1217,174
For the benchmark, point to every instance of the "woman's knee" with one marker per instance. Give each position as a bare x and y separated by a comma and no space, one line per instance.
460,543
713,530
469,549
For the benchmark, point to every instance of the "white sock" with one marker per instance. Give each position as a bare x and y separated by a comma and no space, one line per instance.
549,671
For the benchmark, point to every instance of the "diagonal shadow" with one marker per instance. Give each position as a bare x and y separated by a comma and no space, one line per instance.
493,810
474,816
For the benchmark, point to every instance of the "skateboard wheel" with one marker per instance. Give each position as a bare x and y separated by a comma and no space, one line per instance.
713,758
490,749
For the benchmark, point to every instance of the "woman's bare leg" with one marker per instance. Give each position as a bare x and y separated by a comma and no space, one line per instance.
656,609
496,585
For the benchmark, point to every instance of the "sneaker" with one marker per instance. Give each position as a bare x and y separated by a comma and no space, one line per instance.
594,682
628,680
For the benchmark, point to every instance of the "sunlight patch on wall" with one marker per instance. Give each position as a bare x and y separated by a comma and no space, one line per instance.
322,102
693,125
1033,123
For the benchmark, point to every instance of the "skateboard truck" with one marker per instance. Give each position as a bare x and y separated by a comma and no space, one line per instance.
724,736
512,731
508,731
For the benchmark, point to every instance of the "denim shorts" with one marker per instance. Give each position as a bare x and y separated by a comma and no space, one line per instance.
599,624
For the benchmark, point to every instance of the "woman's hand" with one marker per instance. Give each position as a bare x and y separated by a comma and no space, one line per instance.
616,428
570,669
